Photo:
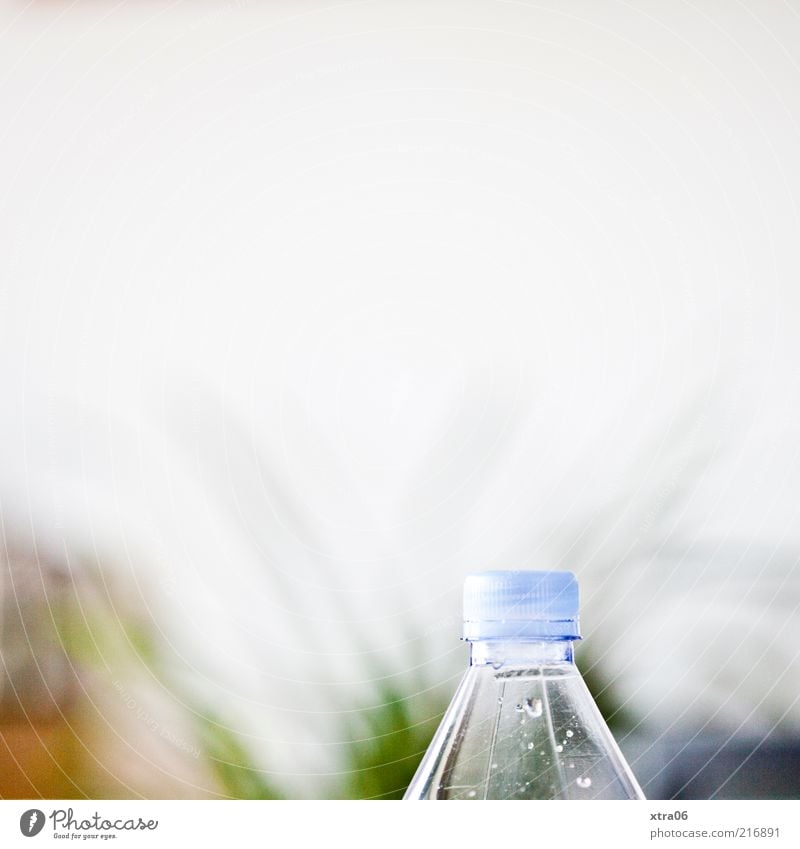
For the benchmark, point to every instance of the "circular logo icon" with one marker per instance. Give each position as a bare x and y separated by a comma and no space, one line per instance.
31,822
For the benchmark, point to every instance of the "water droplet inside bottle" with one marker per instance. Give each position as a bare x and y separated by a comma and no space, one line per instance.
518,708
494,766
471,794
499,700
530,746
559,748
569,732
497,664
583,781
533,707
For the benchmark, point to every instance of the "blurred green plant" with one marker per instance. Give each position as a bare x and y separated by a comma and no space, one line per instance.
619,718
231,762
381,763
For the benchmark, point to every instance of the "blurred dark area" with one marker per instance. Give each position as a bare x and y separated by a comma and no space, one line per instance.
716,768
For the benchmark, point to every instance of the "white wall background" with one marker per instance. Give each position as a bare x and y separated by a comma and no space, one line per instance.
310,308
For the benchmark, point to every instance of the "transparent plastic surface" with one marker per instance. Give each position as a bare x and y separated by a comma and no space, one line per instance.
523,725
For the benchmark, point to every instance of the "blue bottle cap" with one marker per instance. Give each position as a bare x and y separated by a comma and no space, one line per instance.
522,605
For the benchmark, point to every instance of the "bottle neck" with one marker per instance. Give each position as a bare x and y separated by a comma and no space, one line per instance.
520,652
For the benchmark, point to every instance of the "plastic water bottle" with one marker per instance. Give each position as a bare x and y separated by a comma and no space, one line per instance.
522,724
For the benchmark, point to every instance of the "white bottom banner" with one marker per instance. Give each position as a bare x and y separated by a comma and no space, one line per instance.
400,824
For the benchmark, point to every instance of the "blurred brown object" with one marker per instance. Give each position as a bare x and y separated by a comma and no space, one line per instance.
82,711
37,683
